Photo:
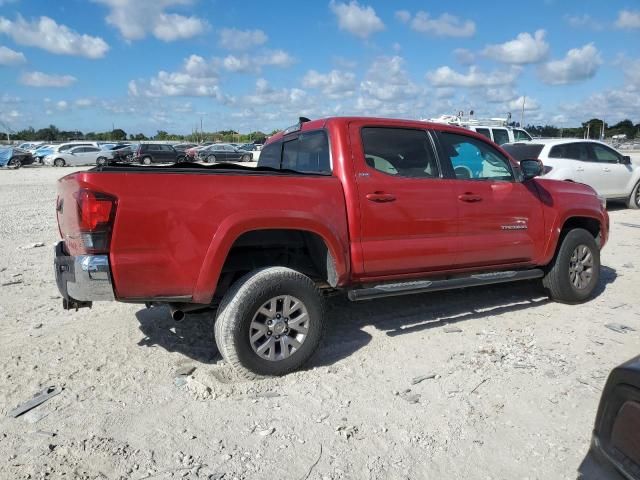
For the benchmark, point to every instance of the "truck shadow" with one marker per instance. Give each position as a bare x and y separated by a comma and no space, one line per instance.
345,323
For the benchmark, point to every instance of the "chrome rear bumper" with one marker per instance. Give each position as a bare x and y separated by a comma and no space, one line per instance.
82,279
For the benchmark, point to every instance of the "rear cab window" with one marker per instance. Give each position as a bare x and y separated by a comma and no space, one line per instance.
519,134
484,131
304,152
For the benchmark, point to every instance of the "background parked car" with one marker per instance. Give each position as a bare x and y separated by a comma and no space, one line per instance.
254,148
183,147
123,152
76,156
148,153
598,165
12,157
221,152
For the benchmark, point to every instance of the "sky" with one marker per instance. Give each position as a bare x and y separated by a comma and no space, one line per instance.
148,65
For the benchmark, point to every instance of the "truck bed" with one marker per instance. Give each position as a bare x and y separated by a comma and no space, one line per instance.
174,225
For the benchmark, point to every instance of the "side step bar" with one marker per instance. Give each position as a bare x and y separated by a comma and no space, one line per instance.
423,286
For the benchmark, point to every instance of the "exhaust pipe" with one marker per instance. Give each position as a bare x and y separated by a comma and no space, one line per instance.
179,310
176,314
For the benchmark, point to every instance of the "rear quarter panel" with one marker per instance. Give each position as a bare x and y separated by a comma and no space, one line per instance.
172,231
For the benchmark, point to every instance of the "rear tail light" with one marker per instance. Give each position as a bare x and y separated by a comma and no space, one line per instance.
96,213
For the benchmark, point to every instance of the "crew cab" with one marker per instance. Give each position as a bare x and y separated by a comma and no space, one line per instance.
366,207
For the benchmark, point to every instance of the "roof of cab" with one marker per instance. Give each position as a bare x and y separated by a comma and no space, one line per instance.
323,122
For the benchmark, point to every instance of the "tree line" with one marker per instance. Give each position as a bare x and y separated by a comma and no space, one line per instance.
591,129
54,134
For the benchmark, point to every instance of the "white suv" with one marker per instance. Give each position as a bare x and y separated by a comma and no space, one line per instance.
598,165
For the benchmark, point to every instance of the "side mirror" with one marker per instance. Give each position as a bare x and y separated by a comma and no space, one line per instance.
531,168
626,160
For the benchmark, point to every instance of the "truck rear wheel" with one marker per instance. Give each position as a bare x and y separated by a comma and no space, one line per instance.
634,199
270,322
575,270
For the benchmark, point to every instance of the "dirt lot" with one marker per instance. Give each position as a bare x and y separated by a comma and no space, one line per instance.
516,379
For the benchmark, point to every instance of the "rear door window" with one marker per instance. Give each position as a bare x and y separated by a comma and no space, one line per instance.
399,151
309,152
500,135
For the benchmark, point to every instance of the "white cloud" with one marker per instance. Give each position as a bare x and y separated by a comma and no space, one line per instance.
334,84
628,19
39,79
464,56
360,21
253,64
584,21
579,64
447,77
48,35
11,57
83,102
170,27
530,104
266,95
135,19
403,15
524,49
500,94
234,39
62,105
197,78
387,81
446,25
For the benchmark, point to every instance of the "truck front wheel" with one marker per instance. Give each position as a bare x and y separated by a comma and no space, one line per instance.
270,322
575,270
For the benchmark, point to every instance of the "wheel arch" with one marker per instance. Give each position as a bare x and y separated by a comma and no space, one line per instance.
590,224
302,244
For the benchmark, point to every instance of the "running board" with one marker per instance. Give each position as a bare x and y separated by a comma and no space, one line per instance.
423,286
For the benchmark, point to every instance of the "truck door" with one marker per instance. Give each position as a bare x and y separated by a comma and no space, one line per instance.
408,211
500,218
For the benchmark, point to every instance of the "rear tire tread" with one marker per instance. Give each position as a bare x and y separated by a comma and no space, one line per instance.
246,290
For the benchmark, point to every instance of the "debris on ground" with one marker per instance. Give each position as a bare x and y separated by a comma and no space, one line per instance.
267,432
619,327
186,370
452,330
422,378
12,282
38,399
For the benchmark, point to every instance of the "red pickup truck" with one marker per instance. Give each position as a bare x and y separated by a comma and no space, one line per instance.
366,206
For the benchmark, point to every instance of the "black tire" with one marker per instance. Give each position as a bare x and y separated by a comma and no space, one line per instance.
634,199
558,280
146,160
59,162
14,163
211,159
241,303
181,159
246,158
101,161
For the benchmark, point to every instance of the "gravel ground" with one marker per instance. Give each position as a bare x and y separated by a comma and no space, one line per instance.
483,383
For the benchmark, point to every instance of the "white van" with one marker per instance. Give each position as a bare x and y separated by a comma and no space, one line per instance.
495,129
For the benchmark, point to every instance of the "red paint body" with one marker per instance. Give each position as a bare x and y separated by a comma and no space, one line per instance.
173,230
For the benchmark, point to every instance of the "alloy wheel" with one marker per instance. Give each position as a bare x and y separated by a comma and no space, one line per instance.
581,267
279,328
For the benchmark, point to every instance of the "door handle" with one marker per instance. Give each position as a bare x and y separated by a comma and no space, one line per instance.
606,169
380,197
580,169
470,198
